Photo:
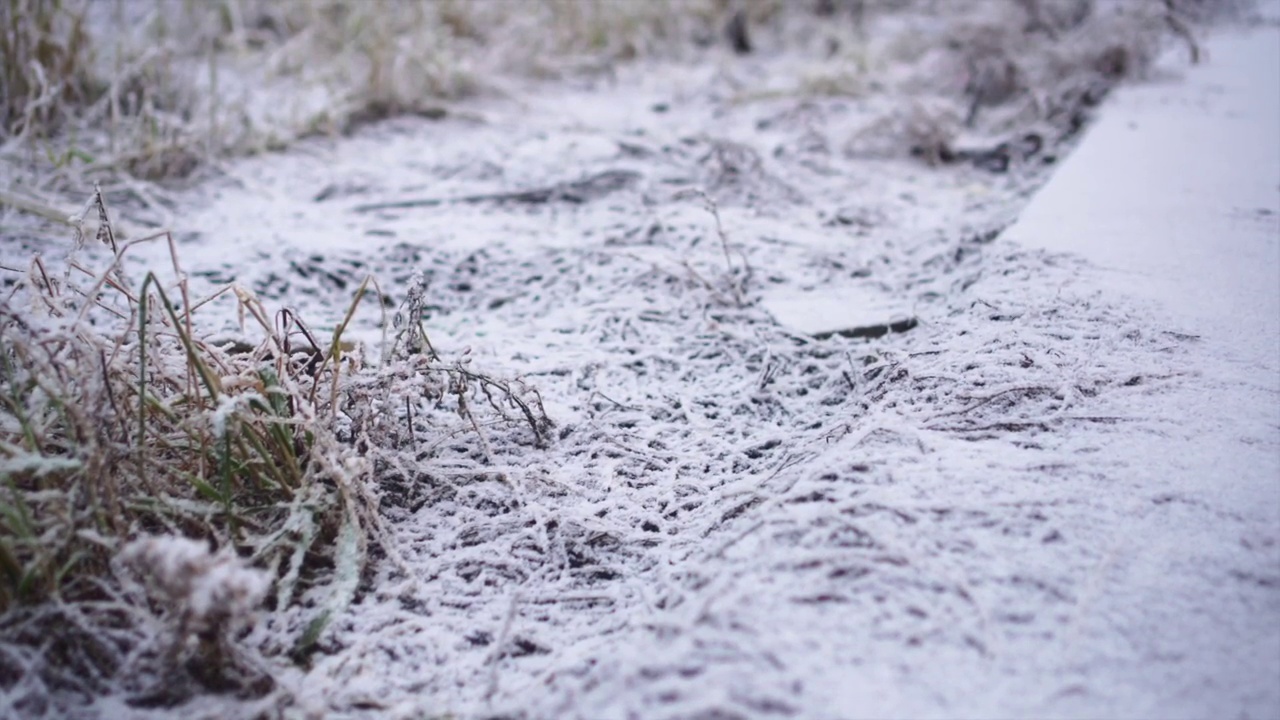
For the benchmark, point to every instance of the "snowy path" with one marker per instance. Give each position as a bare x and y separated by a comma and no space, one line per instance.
1174,198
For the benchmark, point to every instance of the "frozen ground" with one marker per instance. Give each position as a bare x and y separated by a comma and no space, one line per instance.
1054,493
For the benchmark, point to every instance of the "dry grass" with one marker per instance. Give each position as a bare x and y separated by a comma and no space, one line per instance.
46,65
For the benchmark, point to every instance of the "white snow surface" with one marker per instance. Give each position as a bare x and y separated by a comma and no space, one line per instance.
1056,496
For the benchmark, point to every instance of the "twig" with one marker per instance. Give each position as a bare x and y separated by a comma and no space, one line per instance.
35,207
498,642
1028,389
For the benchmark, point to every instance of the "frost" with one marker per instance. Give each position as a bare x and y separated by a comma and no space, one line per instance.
37,465
209,590
228,405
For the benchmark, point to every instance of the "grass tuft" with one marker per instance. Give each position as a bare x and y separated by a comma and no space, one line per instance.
132,445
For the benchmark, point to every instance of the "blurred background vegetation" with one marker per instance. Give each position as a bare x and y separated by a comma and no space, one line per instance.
155,86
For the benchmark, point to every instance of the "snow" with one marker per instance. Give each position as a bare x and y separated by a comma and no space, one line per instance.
1035,511
37,465
228,406
1056,495
207,588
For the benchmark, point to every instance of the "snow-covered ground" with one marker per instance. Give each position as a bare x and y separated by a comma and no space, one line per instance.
833,438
